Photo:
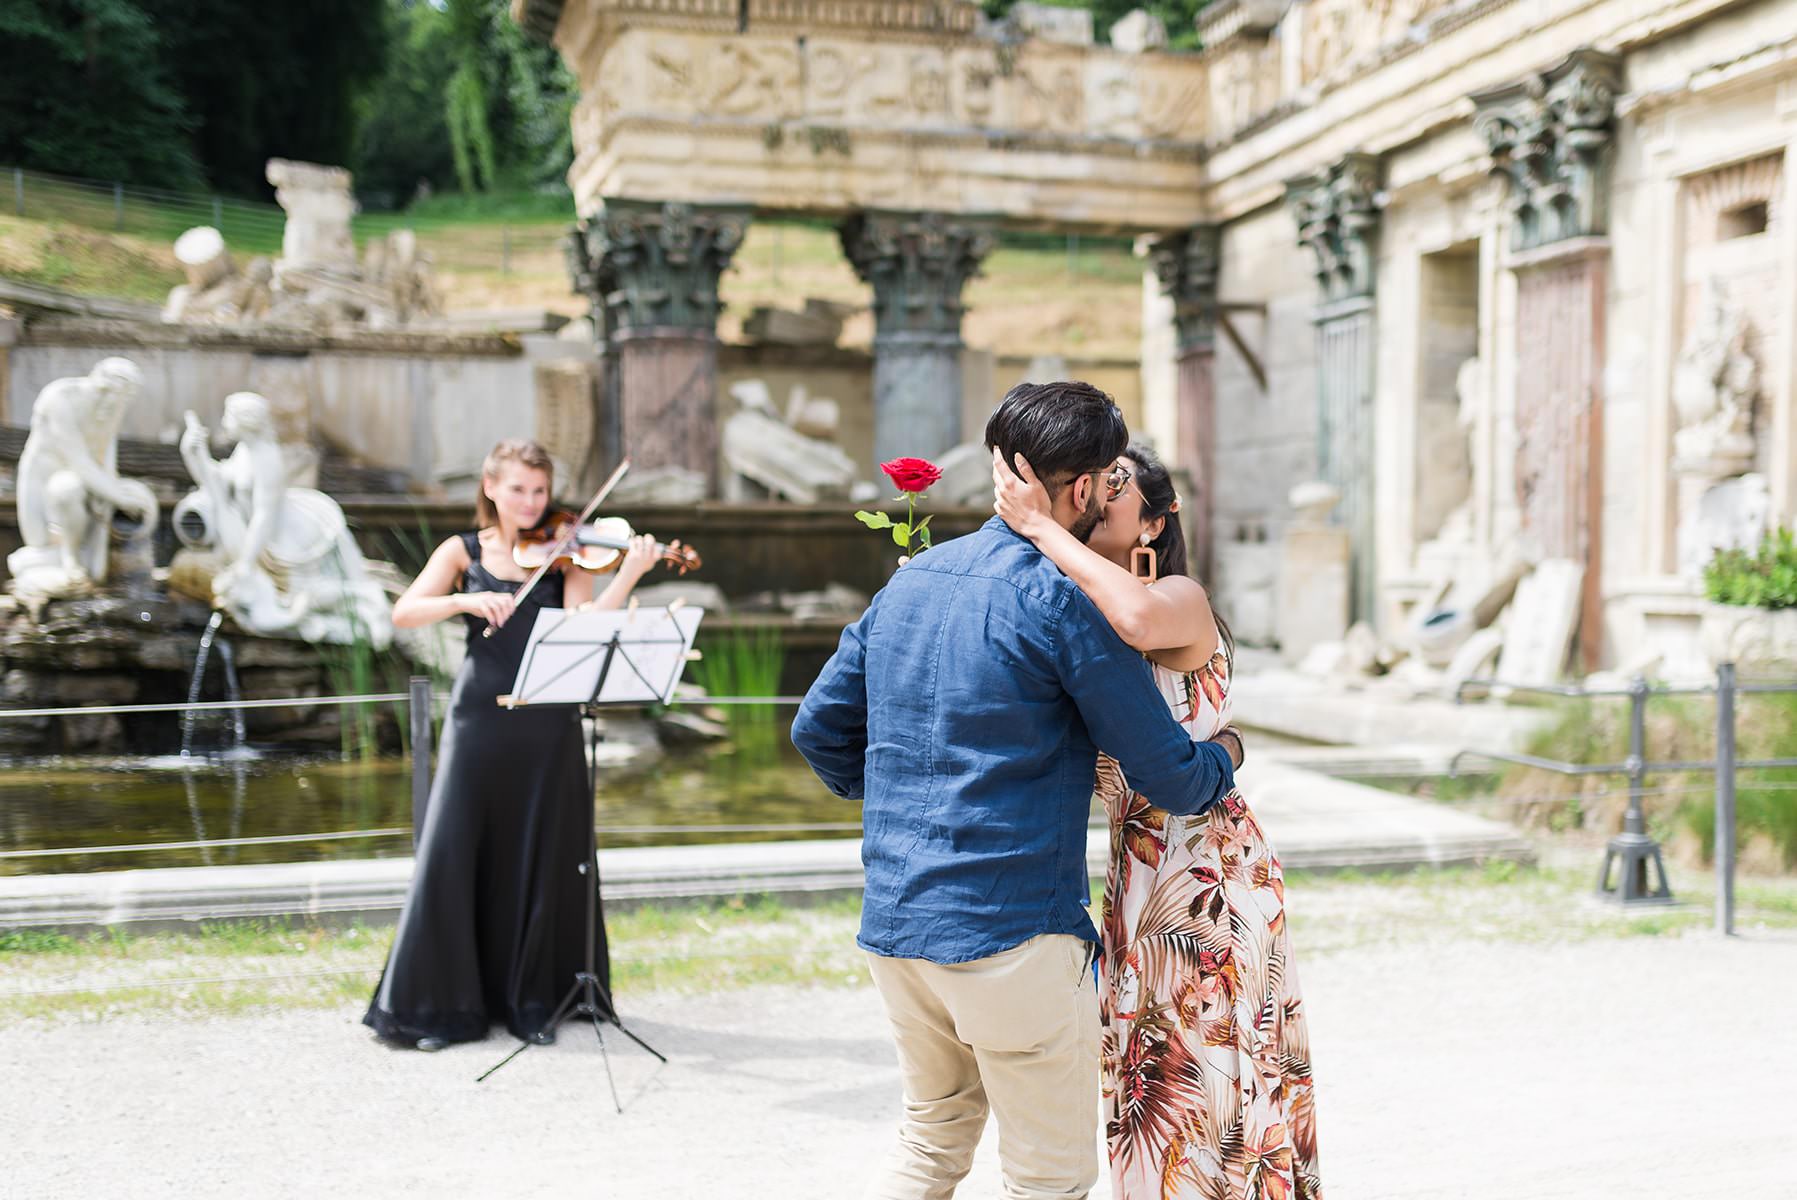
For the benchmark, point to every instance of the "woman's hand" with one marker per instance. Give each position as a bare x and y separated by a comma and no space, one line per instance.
495,608
640,558
1019,497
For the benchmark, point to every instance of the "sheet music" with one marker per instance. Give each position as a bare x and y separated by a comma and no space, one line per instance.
566,651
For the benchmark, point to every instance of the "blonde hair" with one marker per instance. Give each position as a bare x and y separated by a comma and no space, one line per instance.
522,451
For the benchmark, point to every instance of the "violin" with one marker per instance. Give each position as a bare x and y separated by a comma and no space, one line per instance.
564,541
561,538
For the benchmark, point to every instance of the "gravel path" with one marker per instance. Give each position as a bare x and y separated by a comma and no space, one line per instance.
1619,1067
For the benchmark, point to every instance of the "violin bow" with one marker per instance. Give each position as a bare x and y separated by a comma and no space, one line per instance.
566,540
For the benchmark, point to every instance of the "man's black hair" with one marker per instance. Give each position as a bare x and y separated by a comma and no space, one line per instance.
1064,429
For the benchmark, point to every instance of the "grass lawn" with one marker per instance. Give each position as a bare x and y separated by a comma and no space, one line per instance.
239,966
1035,295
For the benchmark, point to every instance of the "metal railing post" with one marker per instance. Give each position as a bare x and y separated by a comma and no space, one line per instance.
1725,799
18,190
421,751
118,206
1632,850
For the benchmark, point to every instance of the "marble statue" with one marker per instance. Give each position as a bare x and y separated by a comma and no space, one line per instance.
279,559
72,500
1731,515
1713,389
783,454
319,204
317,282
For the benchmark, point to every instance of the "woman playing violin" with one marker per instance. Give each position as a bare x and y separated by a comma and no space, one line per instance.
492,925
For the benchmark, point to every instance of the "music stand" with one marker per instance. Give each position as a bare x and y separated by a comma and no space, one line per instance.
591,660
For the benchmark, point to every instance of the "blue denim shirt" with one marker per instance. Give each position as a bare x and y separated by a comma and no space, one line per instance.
966,709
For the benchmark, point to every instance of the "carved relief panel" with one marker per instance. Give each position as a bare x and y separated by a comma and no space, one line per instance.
1036,89
1732,219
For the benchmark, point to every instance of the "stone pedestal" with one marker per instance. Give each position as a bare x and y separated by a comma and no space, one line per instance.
917,264
1314,582
651,271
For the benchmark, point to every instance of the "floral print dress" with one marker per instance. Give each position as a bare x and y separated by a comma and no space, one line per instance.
1207,1083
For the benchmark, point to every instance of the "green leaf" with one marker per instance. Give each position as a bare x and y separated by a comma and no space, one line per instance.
901,535
923,524
874,520
923,535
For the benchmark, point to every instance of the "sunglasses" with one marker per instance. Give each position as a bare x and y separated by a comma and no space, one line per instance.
1117,481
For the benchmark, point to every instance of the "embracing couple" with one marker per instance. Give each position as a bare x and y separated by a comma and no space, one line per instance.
991,688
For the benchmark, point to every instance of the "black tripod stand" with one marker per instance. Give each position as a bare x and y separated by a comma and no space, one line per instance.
588,997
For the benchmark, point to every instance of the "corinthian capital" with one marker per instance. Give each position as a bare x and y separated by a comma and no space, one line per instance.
654,265
917,263
1550,136
1337,211
1188,264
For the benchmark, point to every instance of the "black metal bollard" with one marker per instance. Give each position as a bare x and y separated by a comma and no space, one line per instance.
1633,850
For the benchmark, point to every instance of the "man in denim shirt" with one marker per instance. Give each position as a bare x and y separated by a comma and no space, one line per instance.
966,709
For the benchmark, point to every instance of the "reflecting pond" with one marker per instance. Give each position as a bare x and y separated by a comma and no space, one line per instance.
80,803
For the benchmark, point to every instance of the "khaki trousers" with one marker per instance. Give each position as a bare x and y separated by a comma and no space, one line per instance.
1016,1033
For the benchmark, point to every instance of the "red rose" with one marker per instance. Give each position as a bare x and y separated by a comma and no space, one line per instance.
911,474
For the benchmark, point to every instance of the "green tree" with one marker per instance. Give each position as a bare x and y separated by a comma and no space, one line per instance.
402,127
467,100
270,80
84,91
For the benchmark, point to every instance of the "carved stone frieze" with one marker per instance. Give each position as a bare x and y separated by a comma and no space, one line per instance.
652,265
917,264
1551,140
672,75
1188,265
1223,20
1337,211
542,17
1338,35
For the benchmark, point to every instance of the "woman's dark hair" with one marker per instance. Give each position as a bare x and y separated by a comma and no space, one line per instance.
1158,499
1064,429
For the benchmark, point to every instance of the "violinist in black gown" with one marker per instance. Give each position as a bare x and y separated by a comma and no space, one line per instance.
493,924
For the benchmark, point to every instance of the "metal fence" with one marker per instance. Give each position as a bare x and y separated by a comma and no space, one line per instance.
420,702
1632,859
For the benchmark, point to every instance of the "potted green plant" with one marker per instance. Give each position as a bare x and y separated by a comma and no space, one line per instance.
1751,617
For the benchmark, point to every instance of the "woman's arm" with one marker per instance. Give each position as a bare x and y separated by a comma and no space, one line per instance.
1170,622
429,599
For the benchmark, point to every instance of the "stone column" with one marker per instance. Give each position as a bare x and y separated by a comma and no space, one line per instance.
917,264
1188,265
652,271
1338,219
1551,141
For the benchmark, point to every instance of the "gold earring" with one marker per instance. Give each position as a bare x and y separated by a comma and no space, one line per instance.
1144,564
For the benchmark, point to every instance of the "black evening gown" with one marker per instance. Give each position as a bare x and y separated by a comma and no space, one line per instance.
493,925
